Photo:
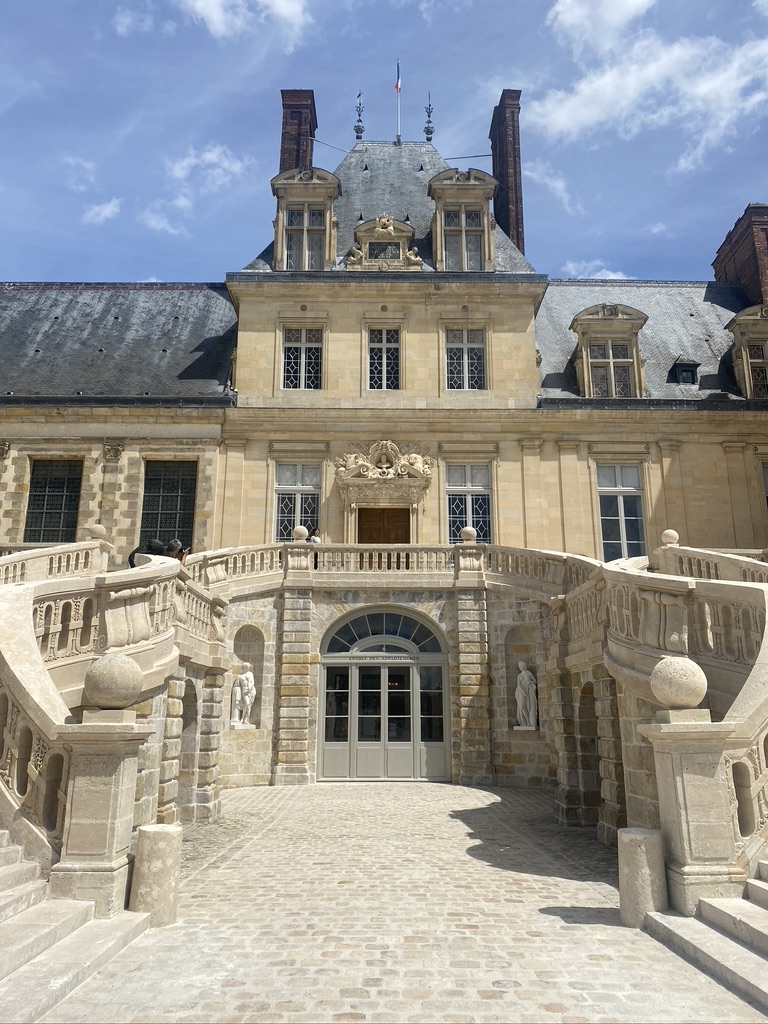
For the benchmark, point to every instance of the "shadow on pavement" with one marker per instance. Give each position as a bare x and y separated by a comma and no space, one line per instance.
518,833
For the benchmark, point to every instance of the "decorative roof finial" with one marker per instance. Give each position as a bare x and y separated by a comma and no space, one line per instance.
359,126
429,129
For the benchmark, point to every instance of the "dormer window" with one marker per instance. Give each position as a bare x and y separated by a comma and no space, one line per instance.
750,354
608,361
304,237
305,228
684,371
463,238
462,227
610,370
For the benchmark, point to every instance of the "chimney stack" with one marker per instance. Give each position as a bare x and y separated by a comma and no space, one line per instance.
743,256
299,127
505,149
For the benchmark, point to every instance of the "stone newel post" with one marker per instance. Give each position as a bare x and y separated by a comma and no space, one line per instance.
694,803
101,789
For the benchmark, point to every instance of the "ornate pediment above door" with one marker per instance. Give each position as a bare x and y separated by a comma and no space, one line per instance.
384,474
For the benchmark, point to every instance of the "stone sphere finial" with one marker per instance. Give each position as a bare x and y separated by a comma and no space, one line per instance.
670,537
300,533
112,681
468,535
678,683
97,532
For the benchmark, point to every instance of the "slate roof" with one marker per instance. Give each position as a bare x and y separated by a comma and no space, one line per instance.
384,177
685,319
155,342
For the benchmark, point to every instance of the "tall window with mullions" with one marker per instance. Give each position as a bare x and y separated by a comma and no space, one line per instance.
54,499
168,508
621,511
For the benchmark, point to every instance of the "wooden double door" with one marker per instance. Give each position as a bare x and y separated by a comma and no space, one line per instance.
383,526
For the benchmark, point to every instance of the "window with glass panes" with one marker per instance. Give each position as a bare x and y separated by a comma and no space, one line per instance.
621,511
465,360
297,486
54,499
463,231
468,490
304,237
303,358
384,359
168,505
758,369
611,370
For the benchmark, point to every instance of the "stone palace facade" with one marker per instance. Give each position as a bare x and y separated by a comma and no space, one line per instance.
491,458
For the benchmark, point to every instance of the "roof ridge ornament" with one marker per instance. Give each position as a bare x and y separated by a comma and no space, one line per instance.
359,126
429,128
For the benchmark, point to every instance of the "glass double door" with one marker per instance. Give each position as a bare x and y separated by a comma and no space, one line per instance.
384,721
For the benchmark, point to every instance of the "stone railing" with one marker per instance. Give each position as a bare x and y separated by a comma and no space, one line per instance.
676,560
53,563
677,642
239,570
68,752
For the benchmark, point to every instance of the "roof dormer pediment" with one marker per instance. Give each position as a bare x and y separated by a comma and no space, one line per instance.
314,182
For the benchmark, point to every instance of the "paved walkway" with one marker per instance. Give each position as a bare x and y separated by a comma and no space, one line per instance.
397,902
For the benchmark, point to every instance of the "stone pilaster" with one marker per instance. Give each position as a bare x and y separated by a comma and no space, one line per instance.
208,793
474,762
743,534
168,790
567,794
291,766
613,807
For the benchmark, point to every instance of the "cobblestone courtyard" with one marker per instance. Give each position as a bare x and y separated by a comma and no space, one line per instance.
397,902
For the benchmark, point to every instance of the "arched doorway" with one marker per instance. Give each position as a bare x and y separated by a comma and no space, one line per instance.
384,700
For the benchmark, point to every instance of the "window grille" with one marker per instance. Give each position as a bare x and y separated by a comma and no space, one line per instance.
469,500
54,500
297,487
302,358
168,505
384,359
465,360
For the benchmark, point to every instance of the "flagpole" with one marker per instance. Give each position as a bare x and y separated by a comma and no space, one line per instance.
397,90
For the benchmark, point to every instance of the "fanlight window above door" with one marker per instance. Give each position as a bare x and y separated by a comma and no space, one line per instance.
383,624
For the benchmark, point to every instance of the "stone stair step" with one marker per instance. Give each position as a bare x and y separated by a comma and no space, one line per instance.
36,929
21,898
762,870
12,875
745,921
757,892
10,854
742,970
34,989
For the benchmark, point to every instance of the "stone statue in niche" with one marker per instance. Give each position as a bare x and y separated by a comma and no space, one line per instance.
243,696
525,697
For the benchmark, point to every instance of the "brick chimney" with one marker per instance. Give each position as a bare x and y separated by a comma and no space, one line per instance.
505,149
299,127
743,256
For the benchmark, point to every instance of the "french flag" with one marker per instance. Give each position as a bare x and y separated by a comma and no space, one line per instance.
397,83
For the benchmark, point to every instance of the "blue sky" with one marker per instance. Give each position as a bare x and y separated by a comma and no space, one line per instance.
138,137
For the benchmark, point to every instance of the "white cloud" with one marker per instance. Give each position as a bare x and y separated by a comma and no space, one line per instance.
81,174
761,6
127,21
225,18
592,269
594,24
656,229
101,212
706,88
210,169
156,219
544,174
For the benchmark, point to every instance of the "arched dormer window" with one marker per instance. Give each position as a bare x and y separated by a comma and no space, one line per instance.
750,353
305,228
462,228
608,363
